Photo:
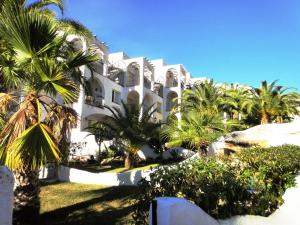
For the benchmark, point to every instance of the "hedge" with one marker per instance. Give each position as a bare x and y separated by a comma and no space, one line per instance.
251,182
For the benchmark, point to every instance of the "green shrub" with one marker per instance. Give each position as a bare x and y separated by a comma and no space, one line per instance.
112,151
251,182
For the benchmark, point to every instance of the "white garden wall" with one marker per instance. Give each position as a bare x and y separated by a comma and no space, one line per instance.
178,211
111,179
6,195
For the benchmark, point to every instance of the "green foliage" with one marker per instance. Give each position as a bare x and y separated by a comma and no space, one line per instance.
236,101
271,102
247,106
38,61
134,126
101,132
196,129
112,151
205,96
252,182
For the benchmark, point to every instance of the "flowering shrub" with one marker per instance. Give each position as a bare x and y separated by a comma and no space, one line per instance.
251,182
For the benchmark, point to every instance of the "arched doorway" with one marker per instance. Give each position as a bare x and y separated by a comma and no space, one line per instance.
171,78
147,101
133,74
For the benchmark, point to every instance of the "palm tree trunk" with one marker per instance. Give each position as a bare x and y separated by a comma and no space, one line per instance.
130,162
239,116
265,118
203,149
26,196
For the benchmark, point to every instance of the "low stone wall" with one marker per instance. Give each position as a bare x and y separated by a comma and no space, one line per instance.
6,195
68,174
178,211
48,172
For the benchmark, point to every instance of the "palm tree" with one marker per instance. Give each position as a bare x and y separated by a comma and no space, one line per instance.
271,102
236,101
37,64
197,129
204,96
134,126
61,119
101,133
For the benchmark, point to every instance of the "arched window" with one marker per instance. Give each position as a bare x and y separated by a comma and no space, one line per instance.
94,93
133,74
171,78
133,98
147,101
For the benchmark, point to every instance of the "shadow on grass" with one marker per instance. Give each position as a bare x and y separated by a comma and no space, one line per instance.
109,206
87,216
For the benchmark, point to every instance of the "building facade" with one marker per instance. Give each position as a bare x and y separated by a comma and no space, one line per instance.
117,77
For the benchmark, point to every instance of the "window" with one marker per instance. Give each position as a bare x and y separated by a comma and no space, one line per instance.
116,97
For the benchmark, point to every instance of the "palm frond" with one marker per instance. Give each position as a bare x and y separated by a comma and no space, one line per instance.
74,27
35,147
41,4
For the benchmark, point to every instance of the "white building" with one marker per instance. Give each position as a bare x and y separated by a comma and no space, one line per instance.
134,80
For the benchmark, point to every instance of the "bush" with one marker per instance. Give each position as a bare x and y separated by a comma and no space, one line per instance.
251,182
111,152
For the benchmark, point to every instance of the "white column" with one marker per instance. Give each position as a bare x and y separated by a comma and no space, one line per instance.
141,86
79,105
6,195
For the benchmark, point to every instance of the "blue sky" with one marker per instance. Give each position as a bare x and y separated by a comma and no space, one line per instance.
242,41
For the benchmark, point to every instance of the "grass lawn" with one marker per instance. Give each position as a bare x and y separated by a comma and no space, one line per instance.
82,204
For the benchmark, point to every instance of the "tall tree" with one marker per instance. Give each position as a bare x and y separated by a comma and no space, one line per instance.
37,64
236,101
101,133
197,129
273,103
133,125
204,96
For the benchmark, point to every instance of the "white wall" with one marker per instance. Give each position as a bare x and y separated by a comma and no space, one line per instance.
6,195
179,211
111,179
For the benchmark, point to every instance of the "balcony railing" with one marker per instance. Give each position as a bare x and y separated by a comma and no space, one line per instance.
171,83
158,89
133,82
182,85
98,67
170,105
94,101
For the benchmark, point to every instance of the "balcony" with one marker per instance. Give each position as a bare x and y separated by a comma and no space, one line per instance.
158,89
133,75
98,67
182,85
95,101
133,81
